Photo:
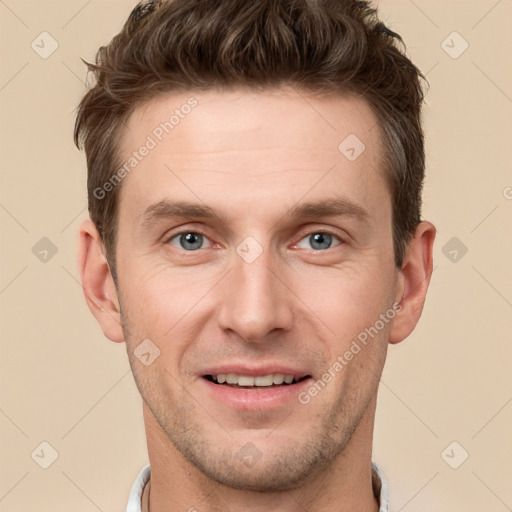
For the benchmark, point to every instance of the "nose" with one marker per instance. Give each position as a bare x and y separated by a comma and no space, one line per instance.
256,299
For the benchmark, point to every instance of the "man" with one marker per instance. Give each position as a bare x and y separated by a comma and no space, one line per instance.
254,179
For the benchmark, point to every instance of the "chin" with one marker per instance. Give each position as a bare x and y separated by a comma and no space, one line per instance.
259,478
281,467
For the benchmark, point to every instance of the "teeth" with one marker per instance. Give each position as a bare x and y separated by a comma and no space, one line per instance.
245,381
278,378
261,381
267,380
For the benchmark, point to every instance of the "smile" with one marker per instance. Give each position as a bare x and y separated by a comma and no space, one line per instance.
250,381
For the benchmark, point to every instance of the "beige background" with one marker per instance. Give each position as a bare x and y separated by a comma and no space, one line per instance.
63,383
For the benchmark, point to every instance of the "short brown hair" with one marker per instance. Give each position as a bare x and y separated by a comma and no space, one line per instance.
318,46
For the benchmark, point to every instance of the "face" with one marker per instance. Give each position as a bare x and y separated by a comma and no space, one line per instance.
251,246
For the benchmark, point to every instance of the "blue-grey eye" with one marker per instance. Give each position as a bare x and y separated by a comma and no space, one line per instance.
189,240
319,240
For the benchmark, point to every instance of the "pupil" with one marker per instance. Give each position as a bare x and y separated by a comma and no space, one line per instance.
321,238
193,239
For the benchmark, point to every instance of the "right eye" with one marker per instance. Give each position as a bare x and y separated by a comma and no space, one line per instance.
188,240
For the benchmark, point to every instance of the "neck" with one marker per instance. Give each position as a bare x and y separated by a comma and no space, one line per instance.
346,485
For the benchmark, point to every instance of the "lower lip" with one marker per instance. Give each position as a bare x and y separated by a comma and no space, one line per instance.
256,398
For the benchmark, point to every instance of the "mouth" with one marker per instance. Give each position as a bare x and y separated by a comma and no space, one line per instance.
258,382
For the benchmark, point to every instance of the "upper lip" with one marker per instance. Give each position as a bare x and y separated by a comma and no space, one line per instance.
254,371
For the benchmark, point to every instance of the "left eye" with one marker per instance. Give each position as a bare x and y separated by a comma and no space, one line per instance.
319,240
188,240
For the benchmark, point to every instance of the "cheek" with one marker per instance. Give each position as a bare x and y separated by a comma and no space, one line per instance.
347,299
159,292
351,303
168,305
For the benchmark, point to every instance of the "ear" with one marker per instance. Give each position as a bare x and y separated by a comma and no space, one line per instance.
97,282
414,279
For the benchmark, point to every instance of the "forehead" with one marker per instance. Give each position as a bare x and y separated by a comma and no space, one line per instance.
241,146
282,117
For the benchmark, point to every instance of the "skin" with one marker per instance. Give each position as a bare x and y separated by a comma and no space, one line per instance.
252,156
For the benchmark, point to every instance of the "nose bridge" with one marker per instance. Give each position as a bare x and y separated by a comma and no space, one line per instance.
255,300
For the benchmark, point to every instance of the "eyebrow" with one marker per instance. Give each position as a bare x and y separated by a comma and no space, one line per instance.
328,207
178,209
338,206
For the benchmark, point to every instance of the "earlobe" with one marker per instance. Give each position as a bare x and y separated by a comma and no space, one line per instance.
414,280
97,282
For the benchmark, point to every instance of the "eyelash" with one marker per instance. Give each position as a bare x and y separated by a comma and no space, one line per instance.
198,231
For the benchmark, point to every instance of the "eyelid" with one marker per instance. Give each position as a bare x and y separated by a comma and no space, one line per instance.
315,227
169,236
